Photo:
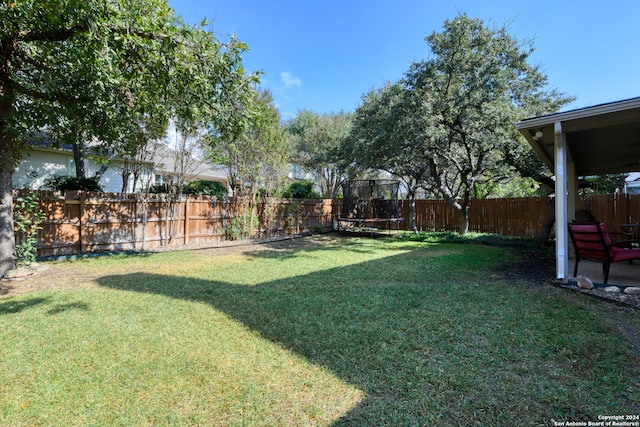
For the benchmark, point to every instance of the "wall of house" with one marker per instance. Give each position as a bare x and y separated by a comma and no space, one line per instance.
632,183
633,187
38,165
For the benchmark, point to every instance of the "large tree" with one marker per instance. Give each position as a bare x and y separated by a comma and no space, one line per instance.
96,69
256,157
477,85
315,143
465,101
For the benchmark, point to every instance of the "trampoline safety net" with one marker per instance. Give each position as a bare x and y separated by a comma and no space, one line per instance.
369,199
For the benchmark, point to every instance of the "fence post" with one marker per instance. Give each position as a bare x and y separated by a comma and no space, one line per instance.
81,222
135,221
186,220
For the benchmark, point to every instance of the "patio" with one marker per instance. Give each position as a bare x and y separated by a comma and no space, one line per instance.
620,274
596,140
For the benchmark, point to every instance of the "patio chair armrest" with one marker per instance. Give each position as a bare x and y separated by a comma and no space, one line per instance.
626,236
622,243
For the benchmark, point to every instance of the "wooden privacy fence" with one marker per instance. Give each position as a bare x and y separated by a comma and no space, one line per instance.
78,222
507,217
522,217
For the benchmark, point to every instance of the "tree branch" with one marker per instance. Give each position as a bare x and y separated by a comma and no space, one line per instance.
52,35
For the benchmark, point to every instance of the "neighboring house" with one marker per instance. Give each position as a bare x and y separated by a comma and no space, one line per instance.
297,172
40,162
168,169
632,183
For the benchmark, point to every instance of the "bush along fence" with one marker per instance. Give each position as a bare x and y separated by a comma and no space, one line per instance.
79,223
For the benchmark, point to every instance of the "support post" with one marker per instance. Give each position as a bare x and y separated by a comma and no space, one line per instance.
562,217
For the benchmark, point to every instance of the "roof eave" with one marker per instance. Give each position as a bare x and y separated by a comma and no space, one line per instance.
581,113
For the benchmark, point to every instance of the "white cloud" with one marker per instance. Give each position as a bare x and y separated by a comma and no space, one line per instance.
289,80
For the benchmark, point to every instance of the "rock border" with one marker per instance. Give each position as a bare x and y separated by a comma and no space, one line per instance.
627,296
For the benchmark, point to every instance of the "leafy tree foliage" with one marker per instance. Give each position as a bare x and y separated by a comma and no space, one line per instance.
603,184
315,145
258,155
111,71
302,189
255,159
387,134
207,188
67,183
454,113
478,85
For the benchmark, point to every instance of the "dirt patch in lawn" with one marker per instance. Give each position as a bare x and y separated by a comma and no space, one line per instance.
62,276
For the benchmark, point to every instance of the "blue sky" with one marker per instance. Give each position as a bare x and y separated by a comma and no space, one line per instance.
322,56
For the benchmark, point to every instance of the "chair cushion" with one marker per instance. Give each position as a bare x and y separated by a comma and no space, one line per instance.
620,254
589,241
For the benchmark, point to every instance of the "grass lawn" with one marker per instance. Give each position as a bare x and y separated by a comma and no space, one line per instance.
333,332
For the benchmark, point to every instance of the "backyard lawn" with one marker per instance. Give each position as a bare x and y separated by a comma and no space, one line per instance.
324,331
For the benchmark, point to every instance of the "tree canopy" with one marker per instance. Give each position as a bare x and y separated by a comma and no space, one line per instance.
449,120
315,143
387,136
108,71
256,157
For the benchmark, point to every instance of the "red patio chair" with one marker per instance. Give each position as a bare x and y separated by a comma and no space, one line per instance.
592,242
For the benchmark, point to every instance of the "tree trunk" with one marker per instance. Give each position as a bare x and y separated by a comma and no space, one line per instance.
544,235
7,236
9,155
463,219
412,212
125,181
78,158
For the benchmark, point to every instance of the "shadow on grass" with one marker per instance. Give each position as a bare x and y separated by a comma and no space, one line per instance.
11,307
298,247
61,308
426,348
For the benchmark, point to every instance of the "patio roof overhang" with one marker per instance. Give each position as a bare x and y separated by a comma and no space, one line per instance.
600,139
594,140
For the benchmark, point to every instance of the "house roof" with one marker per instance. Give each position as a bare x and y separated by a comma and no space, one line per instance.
196,167
164,159
601,139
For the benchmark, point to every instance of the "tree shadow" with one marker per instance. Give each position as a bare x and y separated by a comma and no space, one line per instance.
11,307
366,328
61,308
402,329
294,248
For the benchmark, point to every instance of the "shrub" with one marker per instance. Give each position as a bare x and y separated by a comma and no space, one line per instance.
160,189
68,183
207,188
317,229
27,220
302,189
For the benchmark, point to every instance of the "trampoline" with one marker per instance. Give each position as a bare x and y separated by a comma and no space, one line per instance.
369,203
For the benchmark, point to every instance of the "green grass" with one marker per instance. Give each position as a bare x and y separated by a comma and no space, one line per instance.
352,332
